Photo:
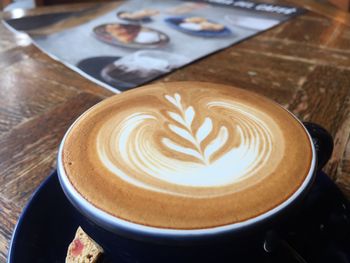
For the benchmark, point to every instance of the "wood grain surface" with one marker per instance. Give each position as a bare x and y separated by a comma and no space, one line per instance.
303,64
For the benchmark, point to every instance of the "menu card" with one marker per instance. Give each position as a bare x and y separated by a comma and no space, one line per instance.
140,40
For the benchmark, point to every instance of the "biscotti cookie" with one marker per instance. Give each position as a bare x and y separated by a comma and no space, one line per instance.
83,249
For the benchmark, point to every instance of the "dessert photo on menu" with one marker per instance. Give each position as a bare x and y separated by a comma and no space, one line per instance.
139,41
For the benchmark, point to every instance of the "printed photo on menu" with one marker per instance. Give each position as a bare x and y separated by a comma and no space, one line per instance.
141,40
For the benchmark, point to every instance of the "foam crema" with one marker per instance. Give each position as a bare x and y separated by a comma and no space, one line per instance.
186,155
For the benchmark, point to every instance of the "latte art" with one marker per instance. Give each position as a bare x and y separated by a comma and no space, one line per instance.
190,156
185,117
186,155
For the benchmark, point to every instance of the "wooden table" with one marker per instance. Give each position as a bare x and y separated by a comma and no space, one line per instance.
303,64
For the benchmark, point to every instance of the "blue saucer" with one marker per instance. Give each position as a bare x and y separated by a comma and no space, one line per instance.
319,233
46,226
174,22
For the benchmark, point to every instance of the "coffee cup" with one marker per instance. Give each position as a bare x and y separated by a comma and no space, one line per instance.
187,171
141,66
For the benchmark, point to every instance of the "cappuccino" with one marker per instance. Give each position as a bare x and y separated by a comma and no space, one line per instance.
186,155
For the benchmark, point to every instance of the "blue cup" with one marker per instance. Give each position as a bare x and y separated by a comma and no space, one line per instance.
125,241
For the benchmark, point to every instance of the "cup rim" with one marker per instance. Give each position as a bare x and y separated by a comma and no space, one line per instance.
118,225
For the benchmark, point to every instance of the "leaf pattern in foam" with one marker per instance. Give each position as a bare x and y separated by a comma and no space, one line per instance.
176,117
174,146
176,100
217,143
182,133
204,130
171,99
189,116
186,118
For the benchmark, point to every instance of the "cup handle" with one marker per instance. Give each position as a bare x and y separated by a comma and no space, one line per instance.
273,243
322,141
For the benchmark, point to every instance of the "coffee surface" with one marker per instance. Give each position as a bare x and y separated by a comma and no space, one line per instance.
186,155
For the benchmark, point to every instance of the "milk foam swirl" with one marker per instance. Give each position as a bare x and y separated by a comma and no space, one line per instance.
158,150
187,155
